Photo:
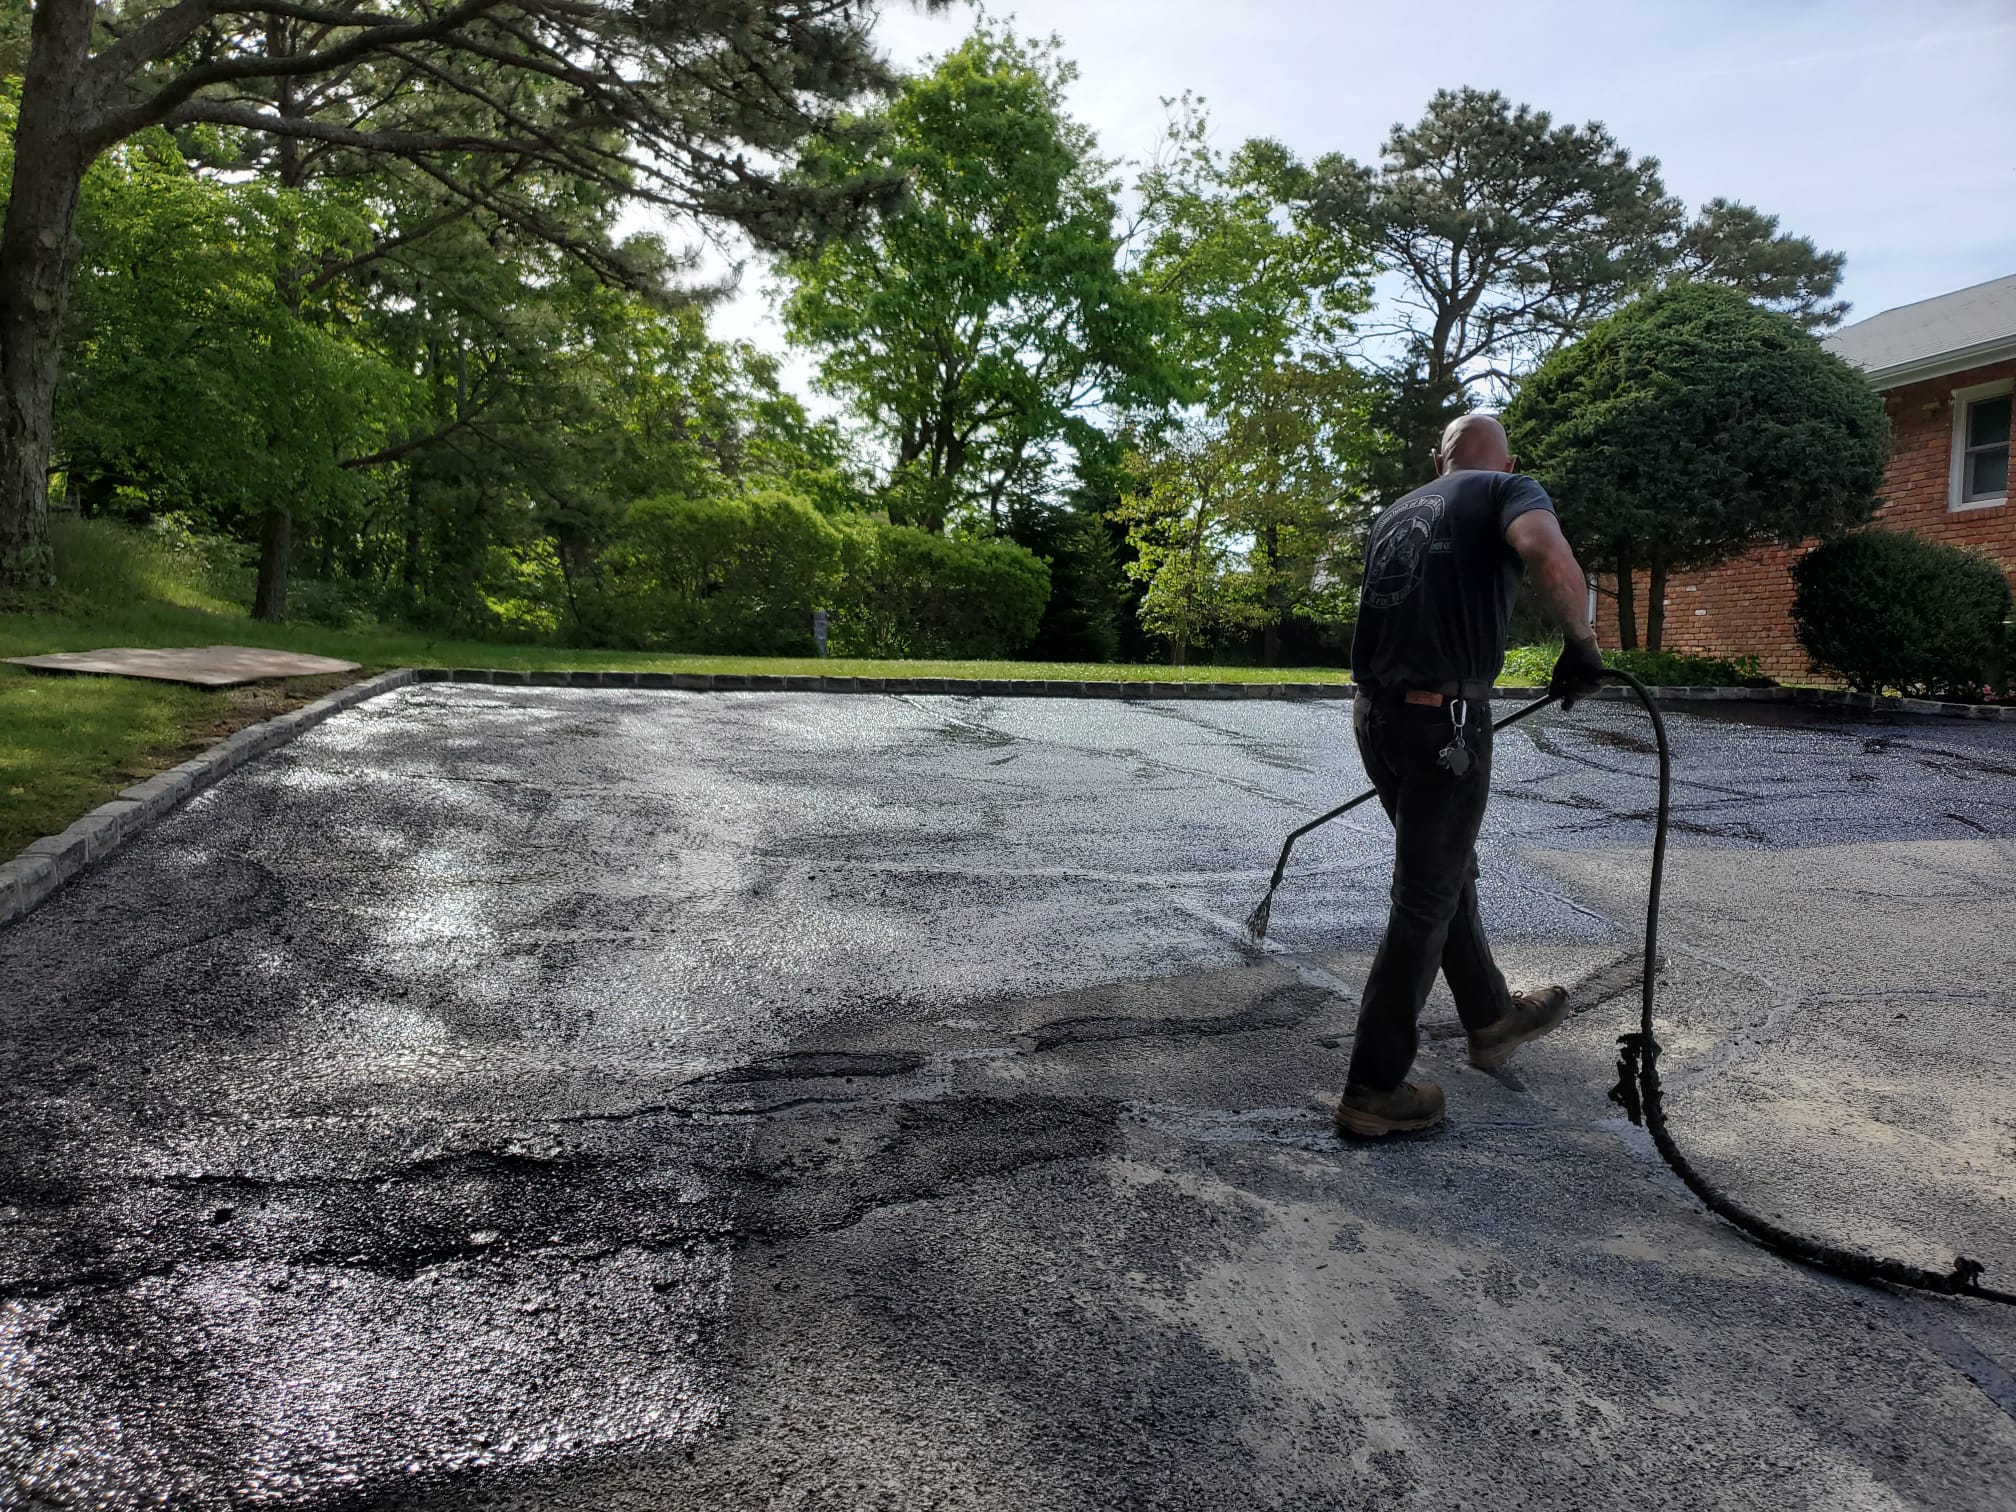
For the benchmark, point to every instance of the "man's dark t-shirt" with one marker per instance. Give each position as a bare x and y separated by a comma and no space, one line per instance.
1440,582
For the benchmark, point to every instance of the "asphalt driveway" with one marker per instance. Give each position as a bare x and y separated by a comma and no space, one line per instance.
544,1098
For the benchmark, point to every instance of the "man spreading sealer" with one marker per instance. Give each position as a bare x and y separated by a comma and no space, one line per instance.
1442,570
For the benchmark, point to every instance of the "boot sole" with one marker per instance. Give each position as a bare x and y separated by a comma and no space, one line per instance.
1492,1059
1373,1125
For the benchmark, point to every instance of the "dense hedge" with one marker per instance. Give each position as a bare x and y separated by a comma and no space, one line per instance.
1885,610
909,592
738,574
1658,669
743,574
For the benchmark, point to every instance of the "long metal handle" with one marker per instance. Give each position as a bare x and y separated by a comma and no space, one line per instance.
1257,922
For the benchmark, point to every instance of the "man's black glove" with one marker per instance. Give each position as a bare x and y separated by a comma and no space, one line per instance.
1578,672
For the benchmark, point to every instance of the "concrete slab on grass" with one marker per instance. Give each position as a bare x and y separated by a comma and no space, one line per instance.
204,666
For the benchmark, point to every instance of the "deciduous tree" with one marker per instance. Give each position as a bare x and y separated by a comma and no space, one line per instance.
690,107
975,331
1265,297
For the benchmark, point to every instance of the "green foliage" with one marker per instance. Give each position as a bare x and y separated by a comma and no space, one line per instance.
1510,234
477,409
1254,277
1741,248
1882,609
1237,525
168,561
1087,588
1531,666
1691,426
910,592
14,21
189,377
1508,229
1187,547
975,331
1246,518
738,574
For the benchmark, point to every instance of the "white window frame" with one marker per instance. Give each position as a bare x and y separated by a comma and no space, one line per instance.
1962,398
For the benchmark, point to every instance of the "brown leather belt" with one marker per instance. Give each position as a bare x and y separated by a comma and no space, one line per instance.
1434,697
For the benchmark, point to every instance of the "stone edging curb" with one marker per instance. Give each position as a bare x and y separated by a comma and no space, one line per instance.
50,862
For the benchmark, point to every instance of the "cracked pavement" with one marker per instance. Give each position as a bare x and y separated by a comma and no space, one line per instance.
551,1098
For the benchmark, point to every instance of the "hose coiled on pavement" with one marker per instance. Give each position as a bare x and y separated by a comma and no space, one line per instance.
1638,1091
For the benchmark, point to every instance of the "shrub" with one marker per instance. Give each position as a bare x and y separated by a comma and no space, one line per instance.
1658,669
1691,425
1882,610
909,592
739,574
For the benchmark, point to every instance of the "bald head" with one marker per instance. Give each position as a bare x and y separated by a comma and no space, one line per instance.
1473,443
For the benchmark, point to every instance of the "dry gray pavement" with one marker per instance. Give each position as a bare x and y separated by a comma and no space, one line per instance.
573,1099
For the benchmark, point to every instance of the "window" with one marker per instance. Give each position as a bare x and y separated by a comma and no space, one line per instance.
1981,446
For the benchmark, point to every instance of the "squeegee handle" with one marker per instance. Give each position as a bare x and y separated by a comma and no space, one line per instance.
1370,793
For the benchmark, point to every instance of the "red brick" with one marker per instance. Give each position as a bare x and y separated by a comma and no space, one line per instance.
1749,601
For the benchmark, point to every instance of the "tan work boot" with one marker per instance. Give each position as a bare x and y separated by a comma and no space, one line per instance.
1409,1106
1532,1014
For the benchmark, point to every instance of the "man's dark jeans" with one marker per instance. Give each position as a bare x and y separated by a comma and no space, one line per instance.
1434,923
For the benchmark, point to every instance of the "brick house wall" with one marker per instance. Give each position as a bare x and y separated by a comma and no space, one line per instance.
1744,607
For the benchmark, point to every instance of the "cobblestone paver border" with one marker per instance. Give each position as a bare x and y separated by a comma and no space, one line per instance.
53,860
50,862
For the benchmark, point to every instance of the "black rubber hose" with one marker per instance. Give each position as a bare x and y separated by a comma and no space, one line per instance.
1638,1091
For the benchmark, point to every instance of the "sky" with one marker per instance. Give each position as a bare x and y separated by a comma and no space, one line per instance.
1883,130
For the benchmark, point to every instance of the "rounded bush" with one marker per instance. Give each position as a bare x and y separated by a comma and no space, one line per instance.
1885,610
1692,425
739,574
910,592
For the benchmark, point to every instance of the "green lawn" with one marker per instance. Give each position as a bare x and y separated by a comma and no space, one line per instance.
89,625
69,743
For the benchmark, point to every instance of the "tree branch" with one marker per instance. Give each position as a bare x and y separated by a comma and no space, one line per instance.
414,443
115,125
153,39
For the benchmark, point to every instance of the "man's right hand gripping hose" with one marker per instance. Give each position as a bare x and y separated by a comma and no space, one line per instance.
1578,672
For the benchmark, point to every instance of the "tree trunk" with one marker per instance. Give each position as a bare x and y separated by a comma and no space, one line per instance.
38,250
1627,603
1655,609
1179,652
276,539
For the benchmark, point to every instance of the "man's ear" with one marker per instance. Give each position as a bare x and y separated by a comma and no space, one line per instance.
1511,464
1441,464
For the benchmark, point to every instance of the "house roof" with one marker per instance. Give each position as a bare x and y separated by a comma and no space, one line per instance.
1949,334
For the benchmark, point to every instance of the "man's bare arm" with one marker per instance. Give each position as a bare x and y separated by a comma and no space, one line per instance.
1556,575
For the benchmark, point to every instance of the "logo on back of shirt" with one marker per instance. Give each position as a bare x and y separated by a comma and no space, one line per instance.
1400,549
